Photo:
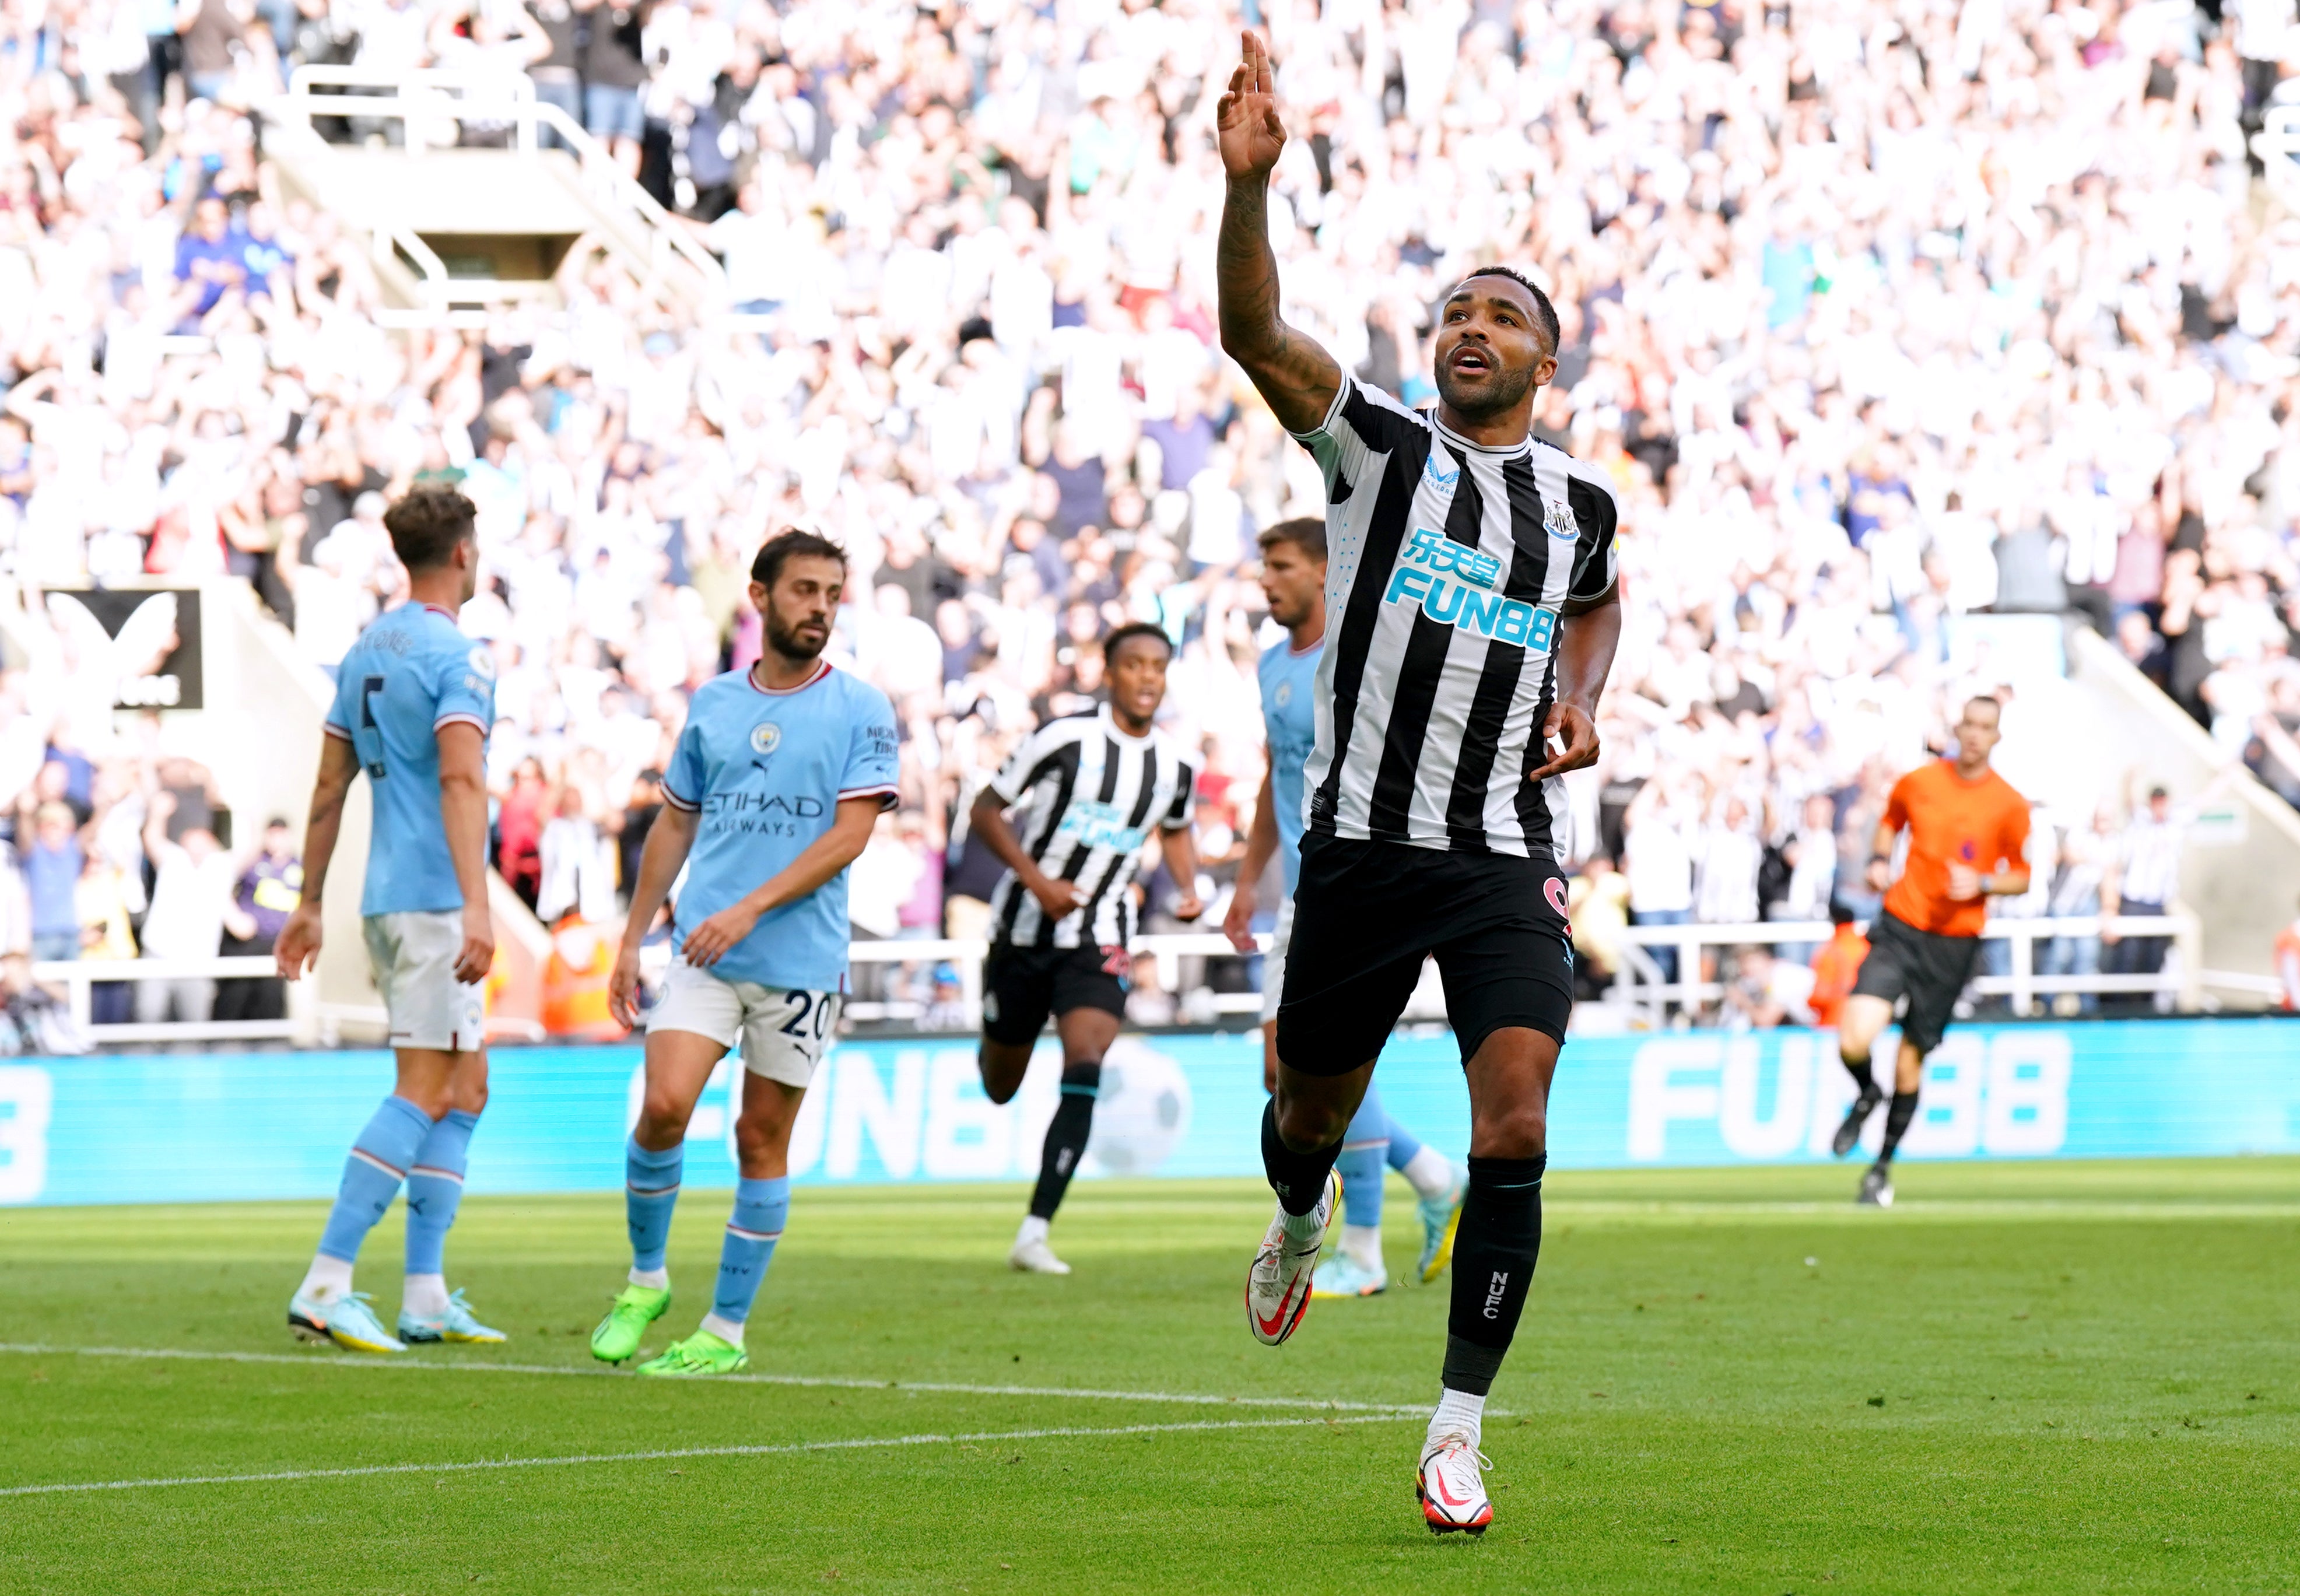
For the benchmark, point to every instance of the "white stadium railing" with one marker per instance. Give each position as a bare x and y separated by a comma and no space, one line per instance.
1638,988
2183,979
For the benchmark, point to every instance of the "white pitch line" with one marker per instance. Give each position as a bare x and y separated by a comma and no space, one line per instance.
665,1453
835,1383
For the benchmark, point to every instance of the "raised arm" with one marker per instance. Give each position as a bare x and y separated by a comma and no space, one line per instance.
1298,379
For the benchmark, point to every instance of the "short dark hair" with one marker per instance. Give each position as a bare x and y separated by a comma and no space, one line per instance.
1841,912
1130,630
428,523
1990,699
1544,312
787,545
1306,533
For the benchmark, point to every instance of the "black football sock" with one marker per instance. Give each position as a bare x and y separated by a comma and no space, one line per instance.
1066,1135
1898,1115
1299,1178
1858,1068
1494,1254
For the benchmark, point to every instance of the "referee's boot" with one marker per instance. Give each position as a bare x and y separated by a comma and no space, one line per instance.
1876,1187
1849,1134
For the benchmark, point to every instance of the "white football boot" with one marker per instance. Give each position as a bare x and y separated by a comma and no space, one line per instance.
1278,1286
1452,1485
1034,1257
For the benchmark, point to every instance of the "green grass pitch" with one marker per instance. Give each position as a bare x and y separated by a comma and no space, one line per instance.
2075,1377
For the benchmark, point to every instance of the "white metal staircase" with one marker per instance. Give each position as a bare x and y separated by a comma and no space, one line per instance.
457,230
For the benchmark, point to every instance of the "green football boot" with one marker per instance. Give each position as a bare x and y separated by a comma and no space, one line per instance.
617,1338
701,1353
1441,1216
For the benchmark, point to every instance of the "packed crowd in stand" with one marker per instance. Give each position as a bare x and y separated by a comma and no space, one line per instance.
1878,315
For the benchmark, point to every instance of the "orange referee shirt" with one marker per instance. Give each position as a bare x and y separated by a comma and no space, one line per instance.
1982,825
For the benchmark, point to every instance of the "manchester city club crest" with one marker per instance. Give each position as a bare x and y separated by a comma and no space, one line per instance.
765,737
1284,695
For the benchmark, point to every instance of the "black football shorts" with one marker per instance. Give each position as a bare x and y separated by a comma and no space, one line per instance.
1023,985
1924,967
1367,913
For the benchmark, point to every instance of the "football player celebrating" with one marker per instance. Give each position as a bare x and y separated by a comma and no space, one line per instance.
1294,581
1475,619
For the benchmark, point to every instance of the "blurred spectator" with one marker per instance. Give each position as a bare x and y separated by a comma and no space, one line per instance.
1766,992
1597,903
2085,879
1148,1003
1835,966
105,933
2288,964
2146,880
269,887
1660,870
575,864
52,861
191,894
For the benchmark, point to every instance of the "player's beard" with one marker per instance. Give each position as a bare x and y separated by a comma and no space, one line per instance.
789,642
1291,614
1508,387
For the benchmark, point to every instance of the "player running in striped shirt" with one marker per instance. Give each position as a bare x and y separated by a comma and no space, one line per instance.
1474,617
1294,582
1091,790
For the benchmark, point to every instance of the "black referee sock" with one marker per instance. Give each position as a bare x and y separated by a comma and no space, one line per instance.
1299,1178
1898,1115
1858,1068
1066,1135
1494,1254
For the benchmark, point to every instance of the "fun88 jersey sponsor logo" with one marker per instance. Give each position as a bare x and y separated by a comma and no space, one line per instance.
1453,584
1100,825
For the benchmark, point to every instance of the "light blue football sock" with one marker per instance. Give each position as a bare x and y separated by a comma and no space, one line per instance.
1402,1145
1363,1146
760,1207
380,1158
435,1189
650,1193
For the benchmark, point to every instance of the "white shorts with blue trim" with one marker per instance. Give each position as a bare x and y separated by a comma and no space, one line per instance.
784,1032
412,953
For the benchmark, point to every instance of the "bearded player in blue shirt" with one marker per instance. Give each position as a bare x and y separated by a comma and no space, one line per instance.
414,699
1294,581
778,779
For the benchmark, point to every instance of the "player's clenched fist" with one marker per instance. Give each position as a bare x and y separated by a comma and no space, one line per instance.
1246,125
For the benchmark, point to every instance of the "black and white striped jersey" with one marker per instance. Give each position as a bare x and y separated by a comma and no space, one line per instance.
1091,797
1449,564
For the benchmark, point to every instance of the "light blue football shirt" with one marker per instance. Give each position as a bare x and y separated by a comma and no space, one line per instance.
411,673
767,772
1289,717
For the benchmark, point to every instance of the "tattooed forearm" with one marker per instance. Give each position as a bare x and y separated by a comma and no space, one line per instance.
1298,379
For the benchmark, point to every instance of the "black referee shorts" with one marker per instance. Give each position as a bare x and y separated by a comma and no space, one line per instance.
1021,986
1367,913
1924,967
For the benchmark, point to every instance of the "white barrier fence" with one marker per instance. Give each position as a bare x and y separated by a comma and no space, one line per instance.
1639,988
310,1021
